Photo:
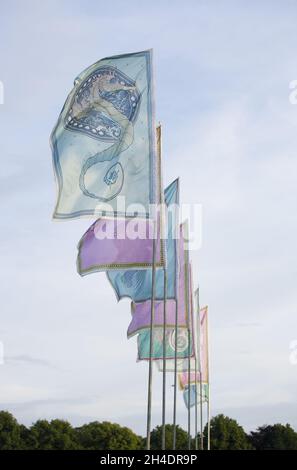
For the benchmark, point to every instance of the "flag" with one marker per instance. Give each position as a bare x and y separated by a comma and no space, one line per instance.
202,372
117,244
103,144
137,284
141,311
193,389
184,349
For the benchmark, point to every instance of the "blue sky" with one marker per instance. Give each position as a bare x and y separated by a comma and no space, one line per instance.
223,70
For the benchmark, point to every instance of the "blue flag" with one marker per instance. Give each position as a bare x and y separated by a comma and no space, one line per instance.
137,284
104,143
190,401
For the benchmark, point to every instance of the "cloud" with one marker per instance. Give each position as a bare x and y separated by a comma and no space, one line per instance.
25,359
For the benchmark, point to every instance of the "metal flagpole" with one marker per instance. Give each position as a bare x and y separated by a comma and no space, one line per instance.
208,401
196,408
189,391
164,365
196,396
201,414
150,375
197,352
177,276
175,378
159,142
208,421
200,372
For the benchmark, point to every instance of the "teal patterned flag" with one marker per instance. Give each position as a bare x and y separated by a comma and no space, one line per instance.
104,143
184,349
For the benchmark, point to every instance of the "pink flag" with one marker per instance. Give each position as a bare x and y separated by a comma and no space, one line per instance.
202,373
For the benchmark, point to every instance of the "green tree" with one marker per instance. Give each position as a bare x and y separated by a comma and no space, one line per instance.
278,437
107,436
181,438
57,434
225,433
10,434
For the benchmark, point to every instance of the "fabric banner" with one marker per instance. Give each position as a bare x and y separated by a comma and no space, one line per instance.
183,347
190,401
104,143
183,377
118,249
137,284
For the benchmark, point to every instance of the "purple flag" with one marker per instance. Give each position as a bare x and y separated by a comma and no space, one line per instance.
118,244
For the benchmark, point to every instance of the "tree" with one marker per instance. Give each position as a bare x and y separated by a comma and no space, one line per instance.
57,434
10,436
278,437
181,438
225,433
106,436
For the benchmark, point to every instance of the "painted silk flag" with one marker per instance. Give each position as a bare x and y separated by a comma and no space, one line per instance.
202,373
184,349
137,284
117,244
190,401
103,144
141,311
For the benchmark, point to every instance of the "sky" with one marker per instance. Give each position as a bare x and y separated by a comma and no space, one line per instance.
222,73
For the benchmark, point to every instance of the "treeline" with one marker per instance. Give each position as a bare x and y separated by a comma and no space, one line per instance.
57,434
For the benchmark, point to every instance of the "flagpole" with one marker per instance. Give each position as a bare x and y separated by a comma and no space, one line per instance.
208,420
196,373
159,141
164,364
196,405
177,276
208,401
189,392
175,378
150,374
200,372
201,413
